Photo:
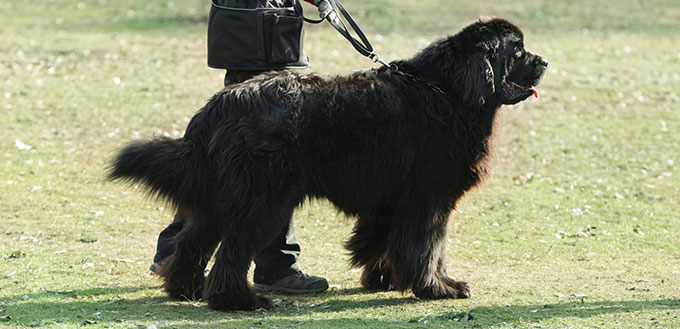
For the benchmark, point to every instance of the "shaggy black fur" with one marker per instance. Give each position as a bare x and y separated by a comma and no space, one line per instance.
395,149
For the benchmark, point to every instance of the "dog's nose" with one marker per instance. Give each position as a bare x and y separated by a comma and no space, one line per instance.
542,62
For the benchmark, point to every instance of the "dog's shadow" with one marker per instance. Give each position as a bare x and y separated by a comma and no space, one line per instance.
135,306
338,300
139,305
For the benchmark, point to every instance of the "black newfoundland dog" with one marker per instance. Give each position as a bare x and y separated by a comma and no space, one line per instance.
395,148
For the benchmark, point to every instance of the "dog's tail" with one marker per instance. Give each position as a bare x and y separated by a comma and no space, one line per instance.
164,165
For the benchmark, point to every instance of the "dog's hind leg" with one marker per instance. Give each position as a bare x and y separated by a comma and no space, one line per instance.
227,287
184,269
416,251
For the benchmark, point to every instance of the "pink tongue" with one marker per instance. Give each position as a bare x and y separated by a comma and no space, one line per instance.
535,92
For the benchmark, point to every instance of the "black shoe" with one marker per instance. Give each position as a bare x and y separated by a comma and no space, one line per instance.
298,283
155,268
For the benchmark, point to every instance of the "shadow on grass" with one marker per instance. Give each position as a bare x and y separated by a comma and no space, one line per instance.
138,305
110,307
89,293
523,314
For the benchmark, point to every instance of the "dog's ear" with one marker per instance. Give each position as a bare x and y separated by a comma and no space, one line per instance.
474,79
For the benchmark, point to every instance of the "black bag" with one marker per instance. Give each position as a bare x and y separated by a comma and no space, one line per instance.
256,35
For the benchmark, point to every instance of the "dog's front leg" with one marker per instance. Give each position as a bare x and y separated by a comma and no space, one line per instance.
367,245
416,251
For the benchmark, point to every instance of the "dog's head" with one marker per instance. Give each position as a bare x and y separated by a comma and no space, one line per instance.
495,63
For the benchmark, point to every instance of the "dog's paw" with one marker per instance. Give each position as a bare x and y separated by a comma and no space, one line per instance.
184,290
446,288
183,294
462,290
264,302
378,280
371,280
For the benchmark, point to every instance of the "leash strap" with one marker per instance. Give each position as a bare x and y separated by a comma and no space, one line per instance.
328,10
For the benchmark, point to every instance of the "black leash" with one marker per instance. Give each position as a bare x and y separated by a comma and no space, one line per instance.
419,81
328,10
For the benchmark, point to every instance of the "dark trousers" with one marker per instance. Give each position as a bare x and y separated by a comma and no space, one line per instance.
276,261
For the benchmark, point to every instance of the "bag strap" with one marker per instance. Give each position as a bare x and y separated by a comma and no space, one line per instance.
295,4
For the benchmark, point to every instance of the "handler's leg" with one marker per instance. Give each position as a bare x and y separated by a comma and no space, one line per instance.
277,268
238,76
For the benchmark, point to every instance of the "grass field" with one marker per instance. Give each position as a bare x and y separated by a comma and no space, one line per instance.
577,228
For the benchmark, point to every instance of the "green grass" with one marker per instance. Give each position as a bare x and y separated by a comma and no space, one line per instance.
583,201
